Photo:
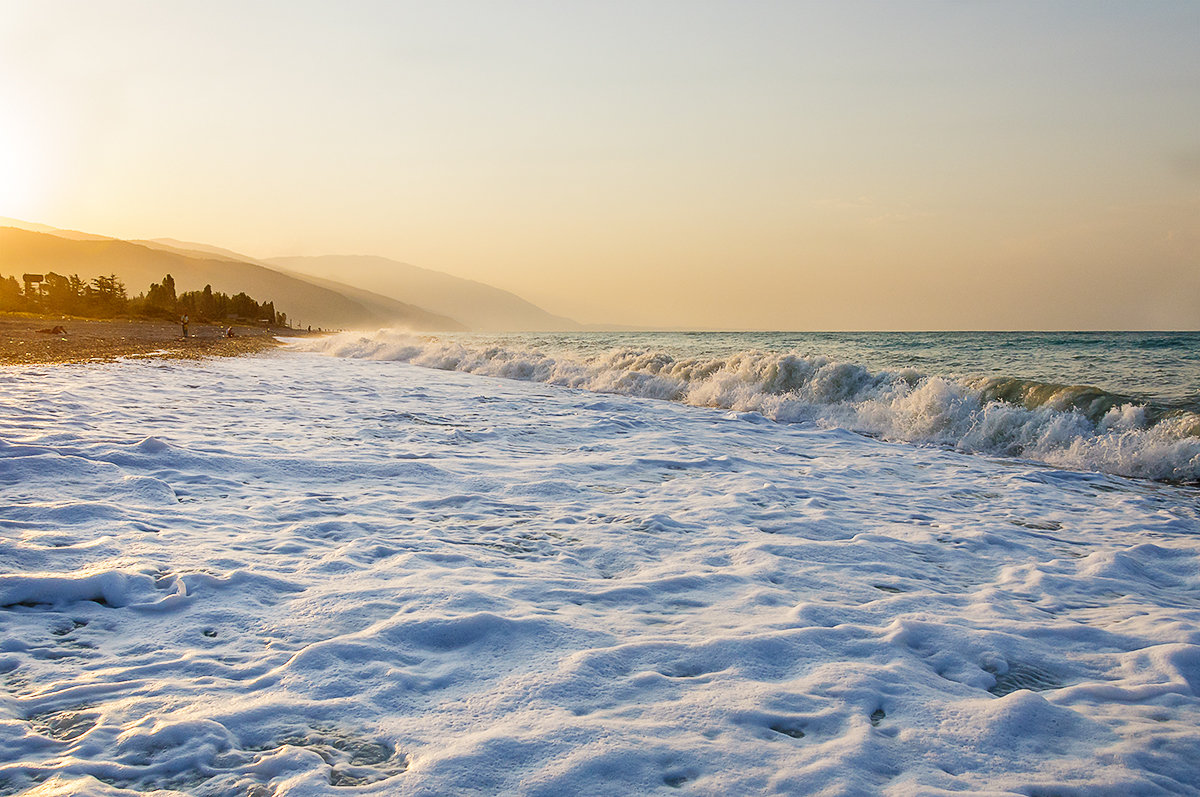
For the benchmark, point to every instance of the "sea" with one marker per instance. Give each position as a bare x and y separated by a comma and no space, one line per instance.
1119,402
396,563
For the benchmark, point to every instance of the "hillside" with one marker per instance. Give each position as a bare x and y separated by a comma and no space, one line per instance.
480,306
74,235
138,265
379,306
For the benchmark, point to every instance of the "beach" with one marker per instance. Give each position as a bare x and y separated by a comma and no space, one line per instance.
28,340
708,399
300,574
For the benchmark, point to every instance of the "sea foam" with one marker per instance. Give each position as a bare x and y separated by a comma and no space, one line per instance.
1069,426
297,575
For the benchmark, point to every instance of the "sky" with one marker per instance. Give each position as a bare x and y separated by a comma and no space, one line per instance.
710,165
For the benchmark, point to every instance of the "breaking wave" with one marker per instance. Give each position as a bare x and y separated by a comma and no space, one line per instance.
1070,426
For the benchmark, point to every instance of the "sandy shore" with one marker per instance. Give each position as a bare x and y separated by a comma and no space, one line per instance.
27,340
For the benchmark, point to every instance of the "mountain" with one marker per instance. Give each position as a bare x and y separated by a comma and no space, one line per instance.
74,235
311,290
480,306
380,306
193,249
139,264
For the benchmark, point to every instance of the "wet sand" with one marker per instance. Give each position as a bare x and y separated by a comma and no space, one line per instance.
26,340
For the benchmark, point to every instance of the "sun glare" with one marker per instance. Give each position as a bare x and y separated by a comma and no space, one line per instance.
18,171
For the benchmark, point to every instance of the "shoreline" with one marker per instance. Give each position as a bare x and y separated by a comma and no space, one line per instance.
751,614
29,340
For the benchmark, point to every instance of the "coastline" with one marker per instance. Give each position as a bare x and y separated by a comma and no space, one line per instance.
730,605
25,340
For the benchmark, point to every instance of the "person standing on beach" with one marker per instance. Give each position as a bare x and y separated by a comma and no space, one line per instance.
183,319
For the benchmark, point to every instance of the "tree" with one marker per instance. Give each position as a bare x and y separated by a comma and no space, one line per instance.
160,299
206,306
107,296
10,294
60,294
243,306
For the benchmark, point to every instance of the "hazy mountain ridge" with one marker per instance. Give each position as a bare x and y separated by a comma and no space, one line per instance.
138,265
385,307
480,306
74,235
311,290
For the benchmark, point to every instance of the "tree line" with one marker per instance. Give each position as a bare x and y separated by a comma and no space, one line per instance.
105,297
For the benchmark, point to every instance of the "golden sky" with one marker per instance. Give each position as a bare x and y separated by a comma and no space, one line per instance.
753,164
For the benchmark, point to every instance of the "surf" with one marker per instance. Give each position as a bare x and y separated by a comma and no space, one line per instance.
1073,426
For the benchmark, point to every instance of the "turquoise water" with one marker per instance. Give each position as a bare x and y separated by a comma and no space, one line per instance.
1127,403
1159,368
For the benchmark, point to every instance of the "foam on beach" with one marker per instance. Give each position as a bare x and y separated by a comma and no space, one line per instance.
299,575
1069,426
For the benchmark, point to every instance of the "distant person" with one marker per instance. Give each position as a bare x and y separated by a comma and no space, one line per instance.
229,332
183,319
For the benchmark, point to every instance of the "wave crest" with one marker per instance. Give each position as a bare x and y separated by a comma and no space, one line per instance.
1071,426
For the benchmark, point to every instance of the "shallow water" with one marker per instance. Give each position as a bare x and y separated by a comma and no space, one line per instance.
296,574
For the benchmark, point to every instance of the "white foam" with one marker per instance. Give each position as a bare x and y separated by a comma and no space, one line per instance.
298,575
903,405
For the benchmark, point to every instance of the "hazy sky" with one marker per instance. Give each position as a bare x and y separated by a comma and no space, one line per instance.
777,165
